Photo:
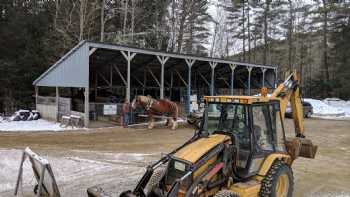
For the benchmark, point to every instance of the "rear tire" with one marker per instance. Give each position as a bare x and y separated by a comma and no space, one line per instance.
225,193
278,182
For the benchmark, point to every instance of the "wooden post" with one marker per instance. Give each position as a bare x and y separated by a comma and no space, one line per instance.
86,107
162,61
96,85
57,103
36,96
276,78
111,78
249,79
263,77
128,56
190,63
171,83
212,81
233,67
20,172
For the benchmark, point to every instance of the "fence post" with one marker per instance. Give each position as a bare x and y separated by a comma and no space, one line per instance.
233,67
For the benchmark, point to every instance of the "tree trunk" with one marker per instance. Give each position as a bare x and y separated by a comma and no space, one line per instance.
182,25
266,13
56,13
133,20
248,28
325,40
214,39
255,49
125,16
102,20
243,29
290,32
82,11
173,27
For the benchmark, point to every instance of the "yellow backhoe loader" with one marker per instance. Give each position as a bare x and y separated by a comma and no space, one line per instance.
240,149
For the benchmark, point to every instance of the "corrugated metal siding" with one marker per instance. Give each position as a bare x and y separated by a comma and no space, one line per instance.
71,70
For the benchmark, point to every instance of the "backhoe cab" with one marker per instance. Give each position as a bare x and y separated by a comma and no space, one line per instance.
240,150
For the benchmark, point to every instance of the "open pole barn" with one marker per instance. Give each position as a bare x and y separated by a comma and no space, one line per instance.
92,76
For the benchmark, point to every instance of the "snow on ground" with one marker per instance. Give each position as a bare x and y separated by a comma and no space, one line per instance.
338,103
335,109
75,171
34,125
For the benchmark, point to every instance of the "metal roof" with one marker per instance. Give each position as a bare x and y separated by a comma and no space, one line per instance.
173,55
72,70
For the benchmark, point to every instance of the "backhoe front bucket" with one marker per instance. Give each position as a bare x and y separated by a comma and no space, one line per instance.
301,147
307,149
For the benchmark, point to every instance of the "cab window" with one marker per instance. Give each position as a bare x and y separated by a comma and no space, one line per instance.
277,127
261,127
233,120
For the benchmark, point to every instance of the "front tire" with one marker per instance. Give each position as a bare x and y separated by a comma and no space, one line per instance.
153,182
278,182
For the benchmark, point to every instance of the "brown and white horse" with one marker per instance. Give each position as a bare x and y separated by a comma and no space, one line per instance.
161,107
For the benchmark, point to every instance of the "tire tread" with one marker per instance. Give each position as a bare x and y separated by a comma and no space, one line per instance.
267,183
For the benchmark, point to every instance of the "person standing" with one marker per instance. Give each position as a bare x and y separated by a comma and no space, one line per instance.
126,113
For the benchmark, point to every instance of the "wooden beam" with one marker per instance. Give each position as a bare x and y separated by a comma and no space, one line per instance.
154,77
120,75
104,79
224,81
181,78
204,79
138,81
92,51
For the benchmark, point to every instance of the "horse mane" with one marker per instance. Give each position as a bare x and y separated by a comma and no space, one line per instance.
144,100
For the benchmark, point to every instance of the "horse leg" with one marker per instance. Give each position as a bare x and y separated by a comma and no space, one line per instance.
151,122
174,119
167,123
174,123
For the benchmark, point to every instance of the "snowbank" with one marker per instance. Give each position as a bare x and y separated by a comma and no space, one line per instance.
335,109
34,125
341,104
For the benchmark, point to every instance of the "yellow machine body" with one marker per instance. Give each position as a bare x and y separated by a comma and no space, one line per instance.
210,163
199,148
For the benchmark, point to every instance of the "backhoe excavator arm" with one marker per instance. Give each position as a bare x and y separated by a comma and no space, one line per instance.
289,90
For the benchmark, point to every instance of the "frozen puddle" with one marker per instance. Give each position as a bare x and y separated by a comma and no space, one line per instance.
77,171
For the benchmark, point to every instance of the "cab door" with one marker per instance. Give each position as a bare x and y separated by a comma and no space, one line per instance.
262,134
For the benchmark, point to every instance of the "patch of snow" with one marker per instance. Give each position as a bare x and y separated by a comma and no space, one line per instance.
330,108
71,168
34,125
338,103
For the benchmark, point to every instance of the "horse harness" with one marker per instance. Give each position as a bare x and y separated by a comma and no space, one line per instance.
149,104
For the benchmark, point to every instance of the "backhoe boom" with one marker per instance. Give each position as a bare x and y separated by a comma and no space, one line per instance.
287,91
